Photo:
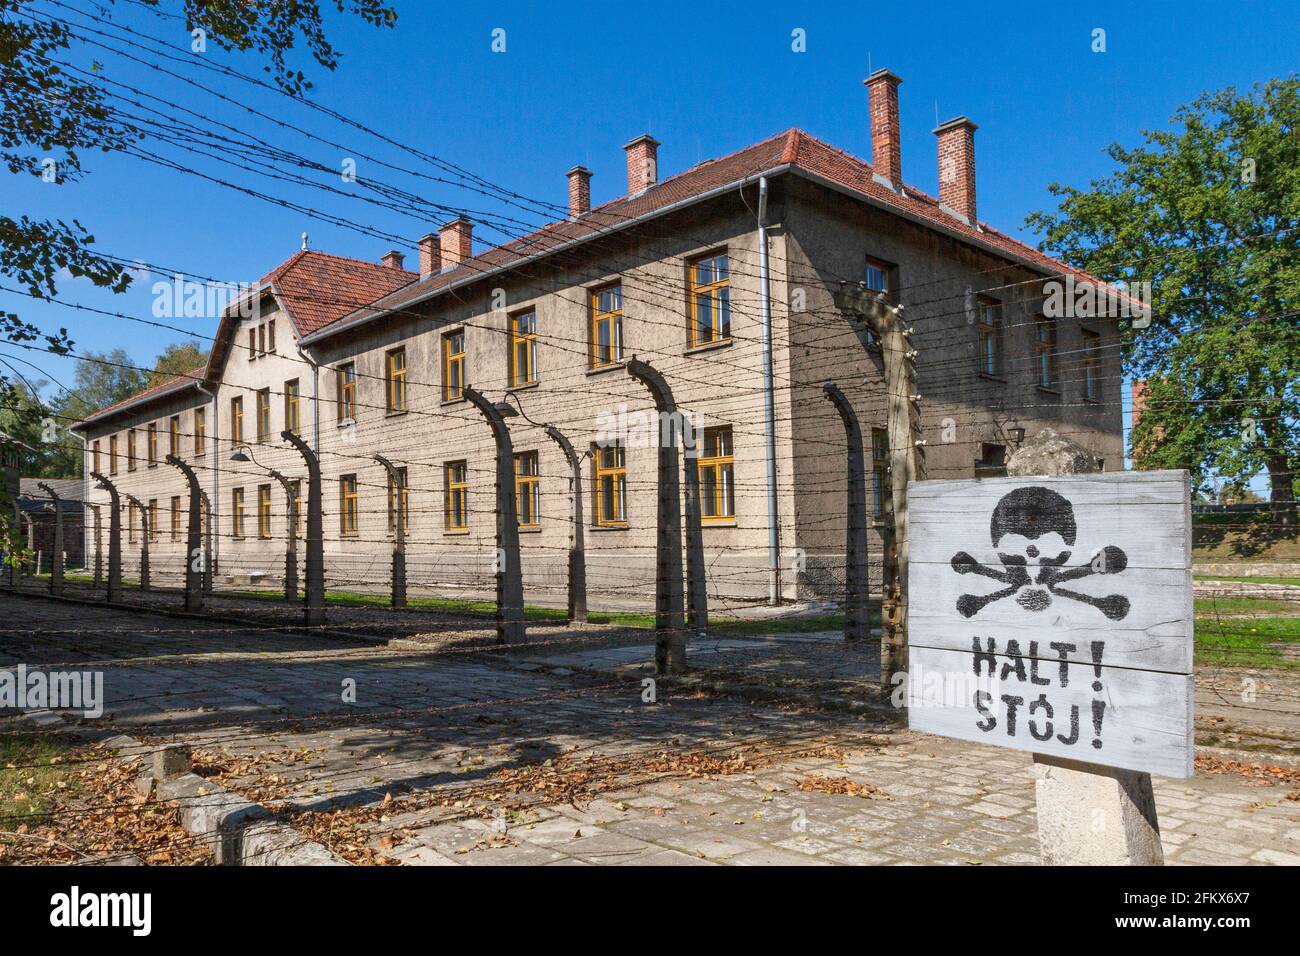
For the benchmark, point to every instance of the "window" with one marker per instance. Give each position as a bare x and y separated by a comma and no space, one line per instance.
1045,352
523,348
395,380
347,389
264,511
610,485
176,518
879,470
270,336
393,491
453,365
252,343
263,415
528,490
988,315
881,277
151,444
174,435
112,455
717,491
237,512
607,326
710,300
291,405
130,523
237,420
261,340
295,489
200,431
153,519
457,507
992,462
348,505
95,447
130,449
1091,365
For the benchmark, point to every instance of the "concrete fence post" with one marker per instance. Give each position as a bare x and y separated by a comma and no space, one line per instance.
577,548
114,594
314,603
56,562
144,540
670,634
32,564
99,541
508,571
856,603
399,532
193,538
207,543
1087,814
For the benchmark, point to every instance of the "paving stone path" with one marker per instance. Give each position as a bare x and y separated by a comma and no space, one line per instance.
448,721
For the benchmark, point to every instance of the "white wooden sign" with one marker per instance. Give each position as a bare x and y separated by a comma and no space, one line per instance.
1055,615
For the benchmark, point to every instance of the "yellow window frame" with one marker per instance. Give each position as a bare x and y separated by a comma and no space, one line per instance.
395,380
264,511
609,468
609,320
200,431
349,517
528,489
523,347
716,467
237,419
291,419
714,288
453,365
347,391
456,478
237,512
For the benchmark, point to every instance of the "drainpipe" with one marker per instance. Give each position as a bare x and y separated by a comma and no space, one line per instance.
769,401
214,539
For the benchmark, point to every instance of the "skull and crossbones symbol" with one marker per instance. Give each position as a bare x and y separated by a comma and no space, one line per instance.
1027,524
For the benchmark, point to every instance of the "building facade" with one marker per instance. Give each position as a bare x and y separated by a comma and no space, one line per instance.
365,358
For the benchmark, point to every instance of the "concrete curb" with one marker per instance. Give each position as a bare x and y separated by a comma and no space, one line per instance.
239,832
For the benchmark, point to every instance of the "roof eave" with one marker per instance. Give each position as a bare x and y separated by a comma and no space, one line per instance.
355,321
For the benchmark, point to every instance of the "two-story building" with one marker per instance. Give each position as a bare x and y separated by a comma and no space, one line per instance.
362,358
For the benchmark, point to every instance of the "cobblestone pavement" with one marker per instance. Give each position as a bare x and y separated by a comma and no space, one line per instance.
437,730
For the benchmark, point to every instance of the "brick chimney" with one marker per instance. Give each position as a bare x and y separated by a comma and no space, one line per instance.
393,259
457,241
579,191
957,167
642,164
430,255
886,146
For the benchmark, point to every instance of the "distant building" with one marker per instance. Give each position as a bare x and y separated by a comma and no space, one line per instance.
35,503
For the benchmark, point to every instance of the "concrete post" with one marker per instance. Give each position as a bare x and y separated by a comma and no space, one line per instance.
193,538
99,541
509,572
314,604
207,544
399,533
577,549
12,555
30,565
670,635
856,603
114,538
144,541
1087,814
291,549
56,564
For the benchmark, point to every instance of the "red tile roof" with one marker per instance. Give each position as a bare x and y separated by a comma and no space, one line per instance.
168,386
316,288
793,148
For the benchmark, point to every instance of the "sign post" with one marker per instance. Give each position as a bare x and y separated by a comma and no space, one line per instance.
1059,622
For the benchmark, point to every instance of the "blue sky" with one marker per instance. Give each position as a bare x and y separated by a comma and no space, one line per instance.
577,81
